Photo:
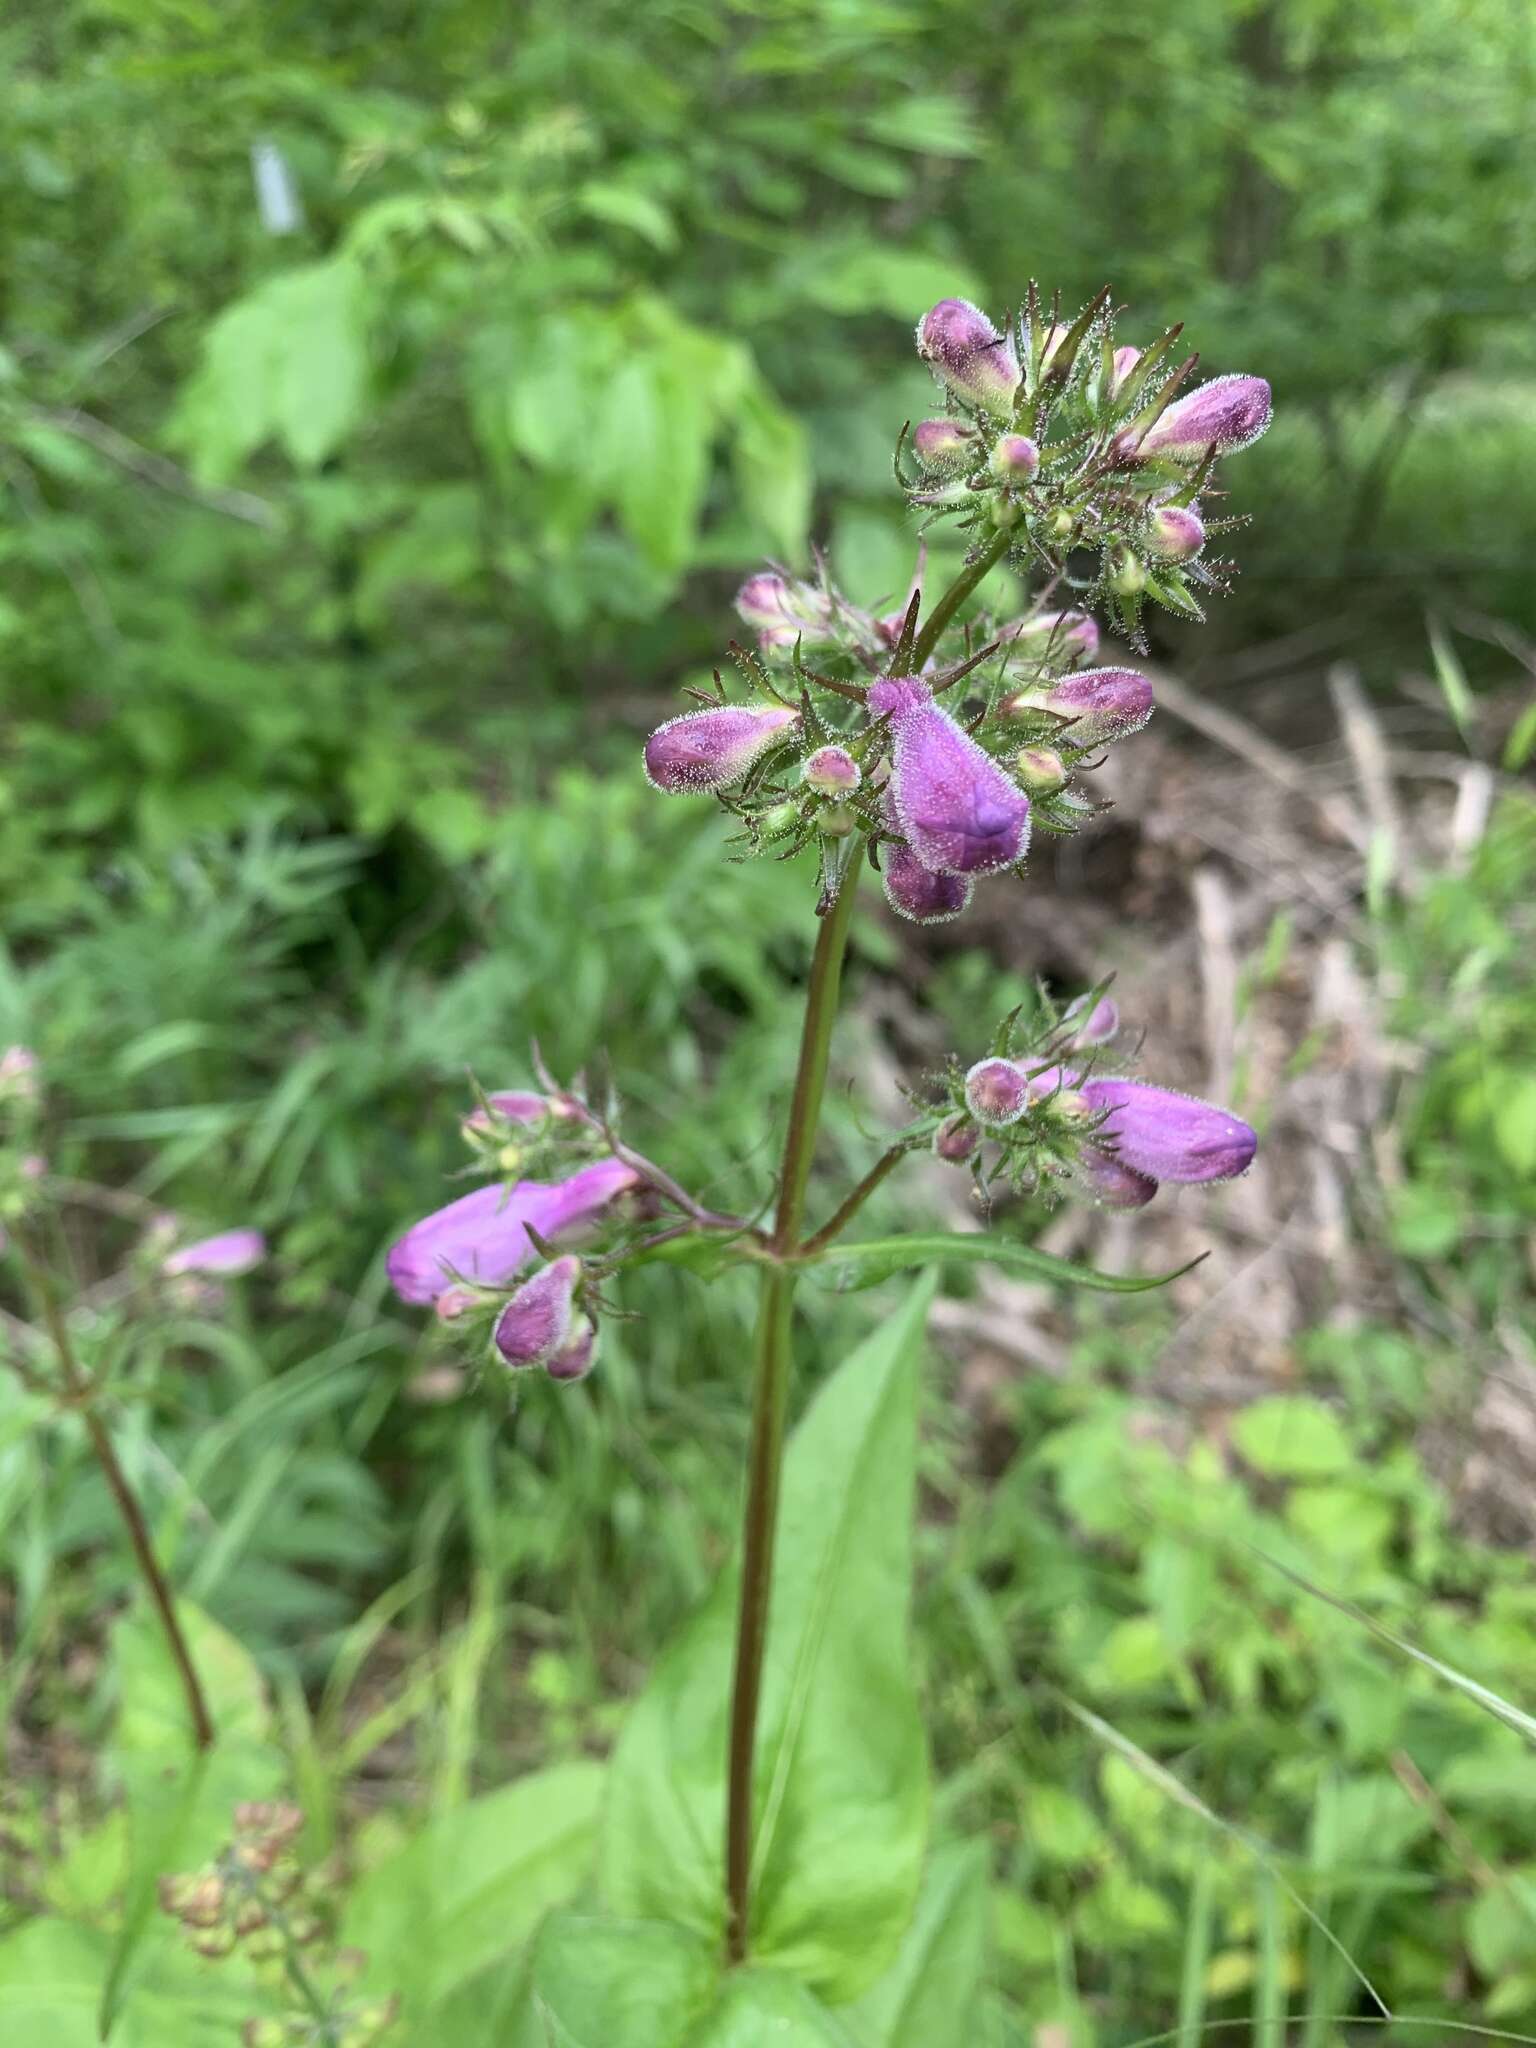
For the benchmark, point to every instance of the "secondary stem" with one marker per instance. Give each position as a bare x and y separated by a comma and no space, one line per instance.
769,1401
956,595
78,1386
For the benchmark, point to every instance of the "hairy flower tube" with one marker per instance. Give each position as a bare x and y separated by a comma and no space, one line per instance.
1227,414
960,344
959,812
709,750
1168,1136
483,1236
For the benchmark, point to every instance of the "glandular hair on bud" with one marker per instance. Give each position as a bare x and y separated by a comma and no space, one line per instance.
1015,458
1039,770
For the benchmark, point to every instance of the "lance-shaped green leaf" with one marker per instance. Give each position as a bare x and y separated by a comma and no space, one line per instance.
840,1786
877,1258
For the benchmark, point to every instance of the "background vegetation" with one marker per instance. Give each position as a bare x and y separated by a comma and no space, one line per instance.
353,535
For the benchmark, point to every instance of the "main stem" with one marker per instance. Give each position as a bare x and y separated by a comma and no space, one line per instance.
78,1386
770,1395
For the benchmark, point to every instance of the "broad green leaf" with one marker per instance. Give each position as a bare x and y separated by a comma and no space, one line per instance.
934,124
877,1258
1514,1123
473,1884
756,2007
659,418
621,206
180,1801
601,1983
1292,1437
840,1786
51,1977
866,277
929,1998
321,358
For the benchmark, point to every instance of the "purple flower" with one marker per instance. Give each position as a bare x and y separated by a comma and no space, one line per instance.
1102,703
831,771
997,1092
942,444
917,892
1073,634
517,1105
483,1236
1227,414
959,812
1167,1136
537,1322
1015,458
959,342
705,750
231,1252
574,1360
1176,532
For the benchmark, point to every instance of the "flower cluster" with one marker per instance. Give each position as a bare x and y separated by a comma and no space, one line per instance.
1042,1116
1068,458
494,1256
255,1897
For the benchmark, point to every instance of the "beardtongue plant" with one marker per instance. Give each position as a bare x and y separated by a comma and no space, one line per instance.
767,1803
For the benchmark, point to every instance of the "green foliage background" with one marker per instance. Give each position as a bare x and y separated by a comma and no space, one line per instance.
344,568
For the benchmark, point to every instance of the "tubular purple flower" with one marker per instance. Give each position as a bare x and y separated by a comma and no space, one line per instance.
537,1322
917,892
229,1253
1015,458
1176,532
1109,1181
708,750
942,444
1168,1136
1103,704
1227,414
831,771
1071,634
960,344
997,1092
959,812
483,1236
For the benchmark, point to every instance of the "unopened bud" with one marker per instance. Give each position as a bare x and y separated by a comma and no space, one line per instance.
1125,361
1130,577
1061,523
1015,458
1100,1177
538,1320
1003,511
1096,1026
959,342
838,822
997,1092
1102,703
774,604
1227,414
1072,635
956,1140
1039,770
942,444
576,1358
778,819
215,1943
1070,1105
831,771
1176,532
708,750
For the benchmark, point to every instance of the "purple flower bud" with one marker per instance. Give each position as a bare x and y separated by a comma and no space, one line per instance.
574,1360
517,1105
1227,414
1176,532
454,1302
959,812
537,1322
959,342
917,892
1096,1026
831,771
484,1234
1110,1181
1103,703
1072,635
231,1252
1125,361
1015,458
1039,770
942,444
705,750
1168,1136
956,1140
997,1092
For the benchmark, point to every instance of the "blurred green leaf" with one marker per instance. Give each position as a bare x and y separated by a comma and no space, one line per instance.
876,1259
